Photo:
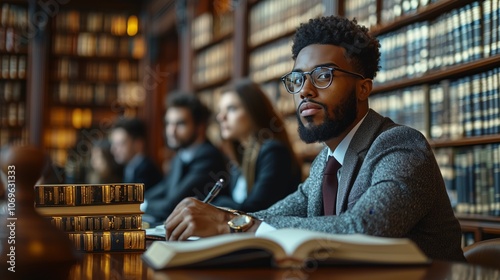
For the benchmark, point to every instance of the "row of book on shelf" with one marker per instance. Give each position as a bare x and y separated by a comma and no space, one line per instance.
12,114
13,40
472,177
271,19
365,10
118,24
271,61
12,91
12,66
450,109
459,36
13,28
130,94
9,136
13,16
108,71
101,45
207,27
214,63
96,218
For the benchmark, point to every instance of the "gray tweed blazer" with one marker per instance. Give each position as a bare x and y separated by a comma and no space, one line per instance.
390,185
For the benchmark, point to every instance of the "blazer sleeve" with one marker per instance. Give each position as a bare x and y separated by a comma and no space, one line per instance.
148,173
201,174
297,203
274,179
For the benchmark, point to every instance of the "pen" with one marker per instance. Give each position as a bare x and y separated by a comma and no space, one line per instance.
214,191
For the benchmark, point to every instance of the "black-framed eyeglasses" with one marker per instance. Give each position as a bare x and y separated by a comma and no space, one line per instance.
321,77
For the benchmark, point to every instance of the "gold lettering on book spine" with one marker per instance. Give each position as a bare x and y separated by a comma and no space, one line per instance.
116,192
106,194
40,195
70,196
106,245
57,196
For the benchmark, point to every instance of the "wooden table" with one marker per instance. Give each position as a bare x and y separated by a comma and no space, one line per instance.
130,266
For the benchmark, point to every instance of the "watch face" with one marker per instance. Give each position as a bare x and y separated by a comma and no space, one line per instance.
241,220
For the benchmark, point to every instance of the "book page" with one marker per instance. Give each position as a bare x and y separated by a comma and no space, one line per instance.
159,233
177,253
303,244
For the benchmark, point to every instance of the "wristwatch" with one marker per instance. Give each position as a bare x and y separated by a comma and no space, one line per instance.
240,223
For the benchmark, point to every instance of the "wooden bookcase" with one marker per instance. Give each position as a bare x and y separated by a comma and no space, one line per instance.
13,72
440,73
94,76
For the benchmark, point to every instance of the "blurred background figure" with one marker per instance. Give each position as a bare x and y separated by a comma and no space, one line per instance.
103,167
128,143
197,163
265,168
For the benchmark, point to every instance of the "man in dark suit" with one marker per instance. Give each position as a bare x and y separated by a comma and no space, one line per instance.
128,142
389,183
197,164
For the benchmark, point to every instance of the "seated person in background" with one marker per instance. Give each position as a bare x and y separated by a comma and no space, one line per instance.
128,146
103,167
197,165
266,169
389,183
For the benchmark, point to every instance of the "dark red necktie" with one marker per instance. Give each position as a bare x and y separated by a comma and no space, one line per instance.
330,186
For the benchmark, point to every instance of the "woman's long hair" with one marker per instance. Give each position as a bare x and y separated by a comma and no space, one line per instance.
267,122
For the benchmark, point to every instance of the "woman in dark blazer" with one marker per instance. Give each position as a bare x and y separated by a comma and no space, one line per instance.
265,168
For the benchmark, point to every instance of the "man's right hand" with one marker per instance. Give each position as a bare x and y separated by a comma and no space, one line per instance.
192,217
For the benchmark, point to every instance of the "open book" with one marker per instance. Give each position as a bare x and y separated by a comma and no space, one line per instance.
156,233
284,248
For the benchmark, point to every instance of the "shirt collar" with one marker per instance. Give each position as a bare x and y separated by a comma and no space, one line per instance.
187,154
341,149
135,161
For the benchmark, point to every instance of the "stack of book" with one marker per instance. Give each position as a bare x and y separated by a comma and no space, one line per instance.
97,217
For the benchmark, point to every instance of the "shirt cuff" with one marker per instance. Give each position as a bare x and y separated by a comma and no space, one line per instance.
263,228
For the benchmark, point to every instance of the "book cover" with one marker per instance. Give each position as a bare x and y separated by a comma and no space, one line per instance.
88,194
107,209
97,222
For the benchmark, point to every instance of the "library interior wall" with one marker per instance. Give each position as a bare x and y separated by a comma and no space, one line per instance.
440,74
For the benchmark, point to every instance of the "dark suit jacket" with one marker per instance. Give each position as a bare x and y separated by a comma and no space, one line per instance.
275,178
390,186
147,172
195,178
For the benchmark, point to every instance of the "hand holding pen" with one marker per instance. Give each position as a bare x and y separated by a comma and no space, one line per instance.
214,191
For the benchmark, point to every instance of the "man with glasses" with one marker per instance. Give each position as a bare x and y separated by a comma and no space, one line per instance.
383,179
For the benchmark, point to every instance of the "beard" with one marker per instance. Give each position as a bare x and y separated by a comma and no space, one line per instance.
332,126
182,144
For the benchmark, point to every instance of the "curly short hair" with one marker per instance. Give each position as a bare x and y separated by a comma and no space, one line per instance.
135,127
361,48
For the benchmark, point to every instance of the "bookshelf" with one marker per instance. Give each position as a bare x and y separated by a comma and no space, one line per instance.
440,74
95,75
13,73
212,41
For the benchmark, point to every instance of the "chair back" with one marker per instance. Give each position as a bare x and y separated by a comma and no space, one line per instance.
485,253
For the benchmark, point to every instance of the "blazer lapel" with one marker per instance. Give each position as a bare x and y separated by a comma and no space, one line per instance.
175,174
354,157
